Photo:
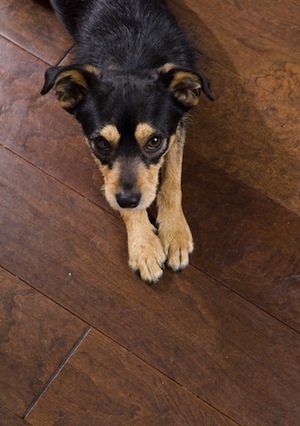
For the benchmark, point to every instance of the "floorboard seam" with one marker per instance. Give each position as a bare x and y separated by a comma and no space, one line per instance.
54,178
245,298
59,63
15,43
56,372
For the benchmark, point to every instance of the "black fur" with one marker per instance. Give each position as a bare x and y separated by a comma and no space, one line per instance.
132,34
129,42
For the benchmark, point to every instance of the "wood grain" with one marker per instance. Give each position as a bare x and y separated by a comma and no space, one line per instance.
255,139
250,52
252,35
105,384
36,128
217,338
200,334
243,239
32,25
7,418
43,134
35,337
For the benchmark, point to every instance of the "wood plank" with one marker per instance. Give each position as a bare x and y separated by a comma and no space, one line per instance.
35,337
212,342
63,148
243,239
251,135
256,138
62,153
105,384
275,289
252,130
251,35
36,128
32,25
7,418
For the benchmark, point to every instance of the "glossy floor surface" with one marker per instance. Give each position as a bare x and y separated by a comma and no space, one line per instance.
82,340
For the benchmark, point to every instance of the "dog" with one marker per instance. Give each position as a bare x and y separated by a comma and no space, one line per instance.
131,88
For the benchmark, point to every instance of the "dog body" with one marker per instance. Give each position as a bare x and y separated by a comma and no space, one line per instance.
131,87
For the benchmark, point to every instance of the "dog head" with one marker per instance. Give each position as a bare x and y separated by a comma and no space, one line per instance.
129,121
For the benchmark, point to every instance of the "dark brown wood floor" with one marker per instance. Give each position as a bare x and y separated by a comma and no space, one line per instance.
82,340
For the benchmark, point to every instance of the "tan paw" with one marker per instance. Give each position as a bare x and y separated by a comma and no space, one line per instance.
147,256
177,241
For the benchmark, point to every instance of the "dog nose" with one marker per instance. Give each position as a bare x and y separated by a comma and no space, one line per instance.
128,200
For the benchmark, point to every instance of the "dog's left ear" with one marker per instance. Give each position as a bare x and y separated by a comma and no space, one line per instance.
185,85
71,83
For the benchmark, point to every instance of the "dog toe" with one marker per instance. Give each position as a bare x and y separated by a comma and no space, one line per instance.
178,256
148,259
178,259
178,244
151,272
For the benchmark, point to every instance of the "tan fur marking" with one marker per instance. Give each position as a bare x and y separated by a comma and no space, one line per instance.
111,180
65,97
97,161
65,103
111,134
92,69
144,247
186,96
143,132
111,183
182,75
171,142
74,75
174,231
166,68
147,182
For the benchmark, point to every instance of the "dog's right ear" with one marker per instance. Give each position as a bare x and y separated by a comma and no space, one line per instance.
71,83
184,85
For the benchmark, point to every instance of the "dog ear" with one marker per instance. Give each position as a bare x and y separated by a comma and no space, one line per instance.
71,83
185,85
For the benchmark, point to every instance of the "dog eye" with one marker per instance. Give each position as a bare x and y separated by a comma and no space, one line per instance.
102,144
153,143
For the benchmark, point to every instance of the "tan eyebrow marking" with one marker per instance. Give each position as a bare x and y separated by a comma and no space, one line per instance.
166,68
110,133
92,69
143,132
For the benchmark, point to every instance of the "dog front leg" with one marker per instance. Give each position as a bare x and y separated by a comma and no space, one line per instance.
145,250
174,231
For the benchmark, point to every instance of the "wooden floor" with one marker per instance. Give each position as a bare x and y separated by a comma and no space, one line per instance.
82,340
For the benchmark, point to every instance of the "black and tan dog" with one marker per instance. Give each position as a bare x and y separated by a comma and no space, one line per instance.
131,87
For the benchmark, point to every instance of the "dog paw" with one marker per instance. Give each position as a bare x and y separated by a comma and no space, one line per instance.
177,241
146,256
